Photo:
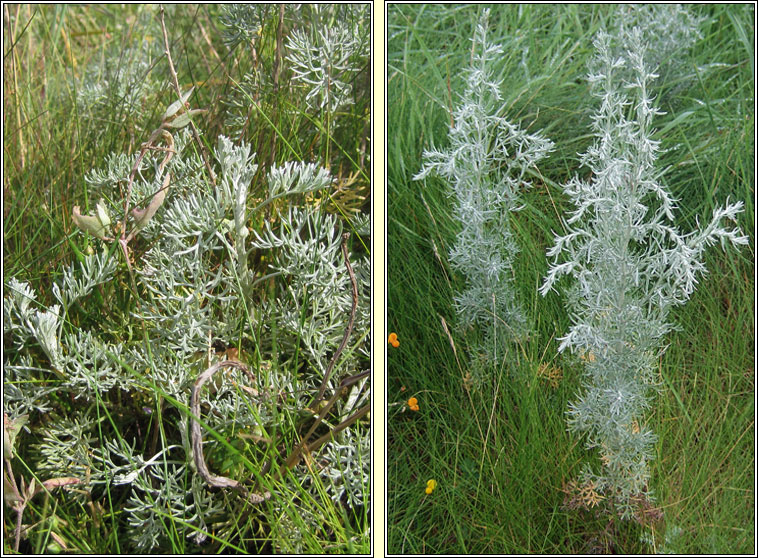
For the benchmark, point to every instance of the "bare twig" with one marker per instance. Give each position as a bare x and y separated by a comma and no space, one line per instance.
363,411
14,67
279,47
347,382
175,79
142,216
160,132
20,498
19,519
350,323
277,72
19,503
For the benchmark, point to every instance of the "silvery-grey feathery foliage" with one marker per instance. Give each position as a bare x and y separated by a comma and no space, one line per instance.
196,282
327,54
243,22
117,85
669,31
631,265
309,310
672,539
486,165
315,59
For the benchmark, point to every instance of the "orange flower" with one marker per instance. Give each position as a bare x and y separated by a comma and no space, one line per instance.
413,404
392,340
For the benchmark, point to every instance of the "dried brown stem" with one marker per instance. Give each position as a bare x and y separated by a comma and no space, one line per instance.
304,447
363,411
144,149
157,198
19,519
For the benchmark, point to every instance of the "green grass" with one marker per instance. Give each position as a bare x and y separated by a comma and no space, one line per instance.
50,144
500,450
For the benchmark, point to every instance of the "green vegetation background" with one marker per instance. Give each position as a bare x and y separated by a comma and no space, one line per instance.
499,451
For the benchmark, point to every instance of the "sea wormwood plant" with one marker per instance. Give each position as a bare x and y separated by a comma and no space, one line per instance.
326,57
196,288
117,85
631,266
485,166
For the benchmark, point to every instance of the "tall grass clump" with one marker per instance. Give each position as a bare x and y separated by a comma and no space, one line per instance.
485,167
190,372
631,265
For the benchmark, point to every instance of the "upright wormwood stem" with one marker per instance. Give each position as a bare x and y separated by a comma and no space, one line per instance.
631,266
485,166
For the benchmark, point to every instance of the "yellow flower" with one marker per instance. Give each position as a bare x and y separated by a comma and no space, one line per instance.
413,404
392,340
431,484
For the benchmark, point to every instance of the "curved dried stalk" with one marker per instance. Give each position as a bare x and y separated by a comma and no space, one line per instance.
197,435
